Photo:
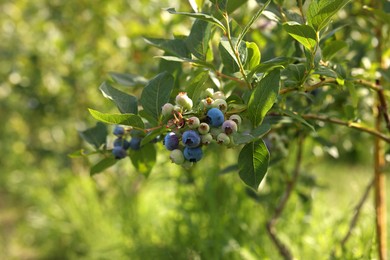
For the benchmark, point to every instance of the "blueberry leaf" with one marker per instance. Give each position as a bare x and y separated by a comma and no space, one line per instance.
321,12
119,119
263,97
126,103
253,163
102,165
303,33
95,135
197,85
144,159
198,40
128,80
156,93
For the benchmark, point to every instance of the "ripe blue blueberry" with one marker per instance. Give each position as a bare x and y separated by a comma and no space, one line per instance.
171,141
215,117
120,142
193,154
119,152
135,143
119,131
191,138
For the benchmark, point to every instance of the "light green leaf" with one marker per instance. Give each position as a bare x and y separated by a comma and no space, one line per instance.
228,56
102,165
253,163
303,33
126,103
249,24
198,63
244,138
144,159
200,16
254,55
263,97
197,85
276,63
198,40
320,12
156,93
119,119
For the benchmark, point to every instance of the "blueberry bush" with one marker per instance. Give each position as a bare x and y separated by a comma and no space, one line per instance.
287,74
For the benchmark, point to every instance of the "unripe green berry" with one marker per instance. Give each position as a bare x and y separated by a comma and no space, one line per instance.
183,100
177,157
220,104
206,103
206,138
236,118
208,92
215,132
219,95
167,109
193,122
223,138
203,128
187,164
178,108
229,127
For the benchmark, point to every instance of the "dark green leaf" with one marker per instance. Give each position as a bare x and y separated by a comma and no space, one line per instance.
95,135
102,165
126,103
119,119
152,135
198,40
249,24
263,97
254,55
156,93
297,117
197,85
275,63
244,138
144,159
175,47
325,71
201,16
195,62
253,163
303,33
333,48
228,56
128,80
294,74
320,12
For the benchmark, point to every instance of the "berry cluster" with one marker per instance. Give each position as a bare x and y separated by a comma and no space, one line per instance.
122,144
191,127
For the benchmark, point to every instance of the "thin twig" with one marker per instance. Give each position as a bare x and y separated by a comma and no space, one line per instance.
283,249
356,215
353,125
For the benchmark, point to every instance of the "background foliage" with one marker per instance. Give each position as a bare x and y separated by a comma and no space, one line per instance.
54,56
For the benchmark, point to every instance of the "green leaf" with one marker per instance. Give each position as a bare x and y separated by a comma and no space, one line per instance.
156,93
320,12
294,74
253,163
333,48
257,133
95,135
102,165
276,63
228,57
197,85
126,103
176,47
297,117
119,119
201,16
144,159
254,55
198,63
128,80
152,135
303,33
263,97
198,40
325,71
249,24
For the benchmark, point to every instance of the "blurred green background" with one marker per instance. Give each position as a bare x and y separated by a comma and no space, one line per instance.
54,55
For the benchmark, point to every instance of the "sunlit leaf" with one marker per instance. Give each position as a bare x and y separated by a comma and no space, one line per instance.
126,103
120,119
